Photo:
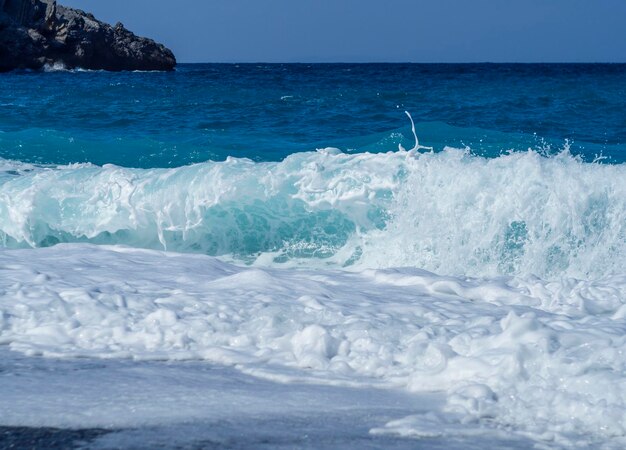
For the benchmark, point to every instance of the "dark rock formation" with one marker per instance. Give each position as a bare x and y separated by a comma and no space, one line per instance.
39,33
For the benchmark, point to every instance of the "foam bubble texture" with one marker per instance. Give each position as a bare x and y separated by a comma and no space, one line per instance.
547,358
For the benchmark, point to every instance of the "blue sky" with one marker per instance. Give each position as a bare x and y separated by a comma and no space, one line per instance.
384,30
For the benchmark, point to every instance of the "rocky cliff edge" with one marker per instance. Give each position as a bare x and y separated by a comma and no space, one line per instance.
35,34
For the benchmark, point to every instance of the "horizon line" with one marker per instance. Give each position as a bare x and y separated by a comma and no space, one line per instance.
407,62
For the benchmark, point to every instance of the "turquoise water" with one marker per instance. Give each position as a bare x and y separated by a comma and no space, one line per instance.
299,164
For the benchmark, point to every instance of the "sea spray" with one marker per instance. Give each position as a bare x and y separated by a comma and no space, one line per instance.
450,212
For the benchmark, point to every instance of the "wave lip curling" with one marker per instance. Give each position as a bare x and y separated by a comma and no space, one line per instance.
448,212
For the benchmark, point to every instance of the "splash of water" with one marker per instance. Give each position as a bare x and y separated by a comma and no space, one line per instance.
449,212
417,145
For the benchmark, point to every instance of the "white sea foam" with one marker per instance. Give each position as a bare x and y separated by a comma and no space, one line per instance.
449,212
522,328
59,66
544,358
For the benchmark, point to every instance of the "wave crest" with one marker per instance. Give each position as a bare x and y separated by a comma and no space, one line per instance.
449,212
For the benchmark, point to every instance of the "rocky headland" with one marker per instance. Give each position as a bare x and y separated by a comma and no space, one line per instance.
35,34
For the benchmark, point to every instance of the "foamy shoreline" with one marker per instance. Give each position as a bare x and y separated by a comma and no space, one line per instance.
538,358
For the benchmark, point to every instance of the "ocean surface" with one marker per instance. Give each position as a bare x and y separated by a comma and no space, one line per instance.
455,233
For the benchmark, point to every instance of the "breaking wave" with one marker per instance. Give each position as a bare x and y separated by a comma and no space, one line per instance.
449,212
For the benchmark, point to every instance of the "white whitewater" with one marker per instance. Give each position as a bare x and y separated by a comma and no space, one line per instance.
491,290
448,212
546,359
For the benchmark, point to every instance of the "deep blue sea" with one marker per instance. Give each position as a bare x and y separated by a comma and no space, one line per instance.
300,162
266,112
